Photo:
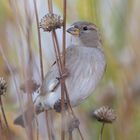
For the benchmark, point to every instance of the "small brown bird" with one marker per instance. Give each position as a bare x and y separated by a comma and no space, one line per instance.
85,63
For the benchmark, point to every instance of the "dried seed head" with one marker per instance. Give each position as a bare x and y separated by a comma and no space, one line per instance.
72,124
3,86
51,22
105,114
29,86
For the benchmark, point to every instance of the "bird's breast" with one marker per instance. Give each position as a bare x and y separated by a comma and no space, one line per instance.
86,67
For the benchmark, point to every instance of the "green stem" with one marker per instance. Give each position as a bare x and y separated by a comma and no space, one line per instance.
101,132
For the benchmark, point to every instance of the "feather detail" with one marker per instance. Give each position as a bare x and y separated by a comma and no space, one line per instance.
86,66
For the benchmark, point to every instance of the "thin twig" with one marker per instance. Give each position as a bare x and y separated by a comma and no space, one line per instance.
80,133
52,126
72,112
39,40
1,129
40,50
64,30
59,63
61,66
29,70
101,132
50,7
62,81
46,112
70,135
48,125
63,69
3,113
57,52
37,128
15,83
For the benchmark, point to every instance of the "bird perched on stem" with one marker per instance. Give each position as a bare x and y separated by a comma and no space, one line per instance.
85,63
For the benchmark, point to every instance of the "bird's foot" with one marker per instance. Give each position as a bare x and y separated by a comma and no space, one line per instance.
57,106
73,123
64,75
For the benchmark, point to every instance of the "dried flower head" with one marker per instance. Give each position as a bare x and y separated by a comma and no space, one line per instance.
3,86
29,86
105,114
51,22
73,123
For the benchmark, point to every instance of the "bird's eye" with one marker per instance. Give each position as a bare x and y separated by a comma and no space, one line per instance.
85,28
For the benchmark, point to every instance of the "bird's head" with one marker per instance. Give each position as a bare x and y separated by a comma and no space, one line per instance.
86,32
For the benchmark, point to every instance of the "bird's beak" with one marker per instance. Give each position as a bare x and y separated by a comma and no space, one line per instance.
74,31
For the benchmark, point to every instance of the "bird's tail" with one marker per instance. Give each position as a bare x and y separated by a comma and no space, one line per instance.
27,117
20,120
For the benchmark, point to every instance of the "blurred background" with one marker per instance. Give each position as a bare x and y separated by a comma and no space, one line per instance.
118,22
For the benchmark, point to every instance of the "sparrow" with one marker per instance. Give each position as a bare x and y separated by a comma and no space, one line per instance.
85,63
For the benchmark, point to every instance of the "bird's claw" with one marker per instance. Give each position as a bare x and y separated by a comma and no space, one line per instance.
57,106
64,75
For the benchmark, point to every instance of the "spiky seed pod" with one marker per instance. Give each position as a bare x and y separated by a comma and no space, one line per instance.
3,86
51,22
105,114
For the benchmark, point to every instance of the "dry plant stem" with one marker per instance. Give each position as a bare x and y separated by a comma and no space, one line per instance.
59,63
49,129
3,114
80,133
101,132
10,2
14,81
64,30
63,61
63,68
52,126
58,54
62,81
48,125
40,53
70,135
1,129
50,7
37,128
72,112
29,70
39,40
60,66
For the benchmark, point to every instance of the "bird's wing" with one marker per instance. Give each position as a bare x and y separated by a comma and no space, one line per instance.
51,80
